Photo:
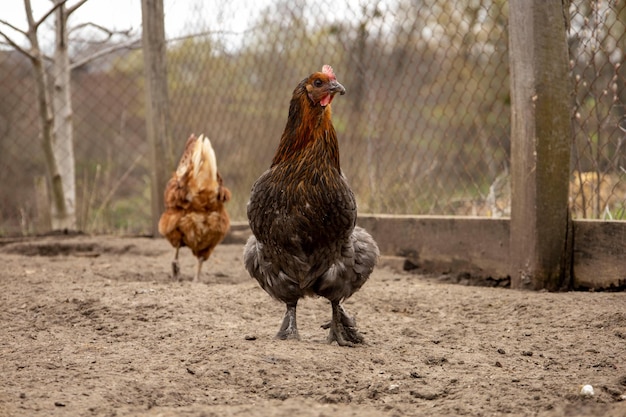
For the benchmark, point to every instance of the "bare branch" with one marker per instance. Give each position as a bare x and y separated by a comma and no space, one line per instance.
209,32
37,23
29,17
18,48
130,44
15,28
72,9
110,33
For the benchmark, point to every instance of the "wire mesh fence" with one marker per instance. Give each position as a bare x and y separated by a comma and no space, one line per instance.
597,39
424,127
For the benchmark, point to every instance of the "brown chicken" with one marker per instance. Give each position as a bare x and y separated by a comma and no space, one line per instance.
195,215
303,215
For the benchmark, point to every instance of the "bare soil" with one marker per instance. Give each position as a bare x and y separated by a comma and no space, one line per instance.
94,326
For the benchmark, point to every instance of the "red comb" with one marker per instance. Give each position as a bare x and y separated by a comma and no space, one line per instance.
328,70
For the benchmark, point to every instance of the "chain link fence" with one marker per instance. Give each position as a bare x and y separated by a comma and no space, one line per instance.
424,127
597,41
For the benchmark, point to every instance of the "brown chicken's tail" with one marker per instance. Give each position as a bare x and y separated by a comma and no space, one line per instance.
204,162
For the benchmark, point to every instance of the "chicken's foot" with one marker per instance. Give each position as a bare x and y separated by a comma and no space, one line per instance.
342,327
176,266
289,328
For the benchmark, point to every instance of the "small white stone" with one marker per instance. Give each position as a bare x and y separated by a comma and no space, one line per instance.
587,391
394,388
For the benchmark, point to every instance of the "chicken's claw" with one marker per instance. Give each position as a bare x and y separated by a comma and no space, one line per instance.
342,328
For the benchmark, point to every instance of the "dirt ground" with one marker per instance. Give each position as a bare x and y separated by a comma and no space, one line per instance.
94,326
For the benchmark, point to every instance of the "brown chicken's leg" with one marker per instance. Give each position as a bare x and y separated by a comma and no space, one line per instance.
342,327
176,266
196,278
289,328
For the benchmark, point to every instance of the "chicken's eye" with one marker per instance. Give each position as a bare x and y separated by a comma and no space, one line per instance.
317,83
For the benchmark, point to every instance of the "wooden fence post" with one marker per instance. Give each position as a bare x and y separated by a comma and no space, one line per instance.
541,228
153,40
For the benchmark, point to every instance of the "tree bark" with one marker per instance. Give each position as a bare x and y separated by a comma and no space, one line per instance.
46,116
63,131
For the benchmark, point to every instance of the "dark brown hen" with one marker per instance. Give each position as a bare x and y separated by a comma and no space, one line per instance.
303,214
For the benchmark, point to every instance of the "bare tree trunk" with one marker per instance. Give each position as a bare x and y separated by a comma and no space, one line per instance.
46,115
63,131
55,108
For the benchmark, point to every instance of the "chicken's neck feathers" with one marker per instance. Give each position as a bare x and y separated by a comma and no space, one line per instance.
309,133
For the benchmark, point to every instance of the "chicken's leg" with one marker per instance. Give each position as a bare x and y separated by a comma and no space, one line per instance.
196,277
176,266
289,328
342,327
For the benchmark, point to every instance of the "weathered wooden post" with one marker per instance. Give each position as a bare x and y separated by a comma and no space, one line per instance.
153,40
540,233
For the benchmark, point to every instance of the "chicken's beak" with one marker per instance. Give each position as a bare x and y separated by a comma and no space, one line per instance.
335,88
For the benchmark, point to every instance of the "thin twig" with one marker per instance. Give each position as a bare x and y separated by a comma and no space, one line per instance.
72,9
130,44
37,23
92,195
109,33
16,46
114,189
210,32
15,28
